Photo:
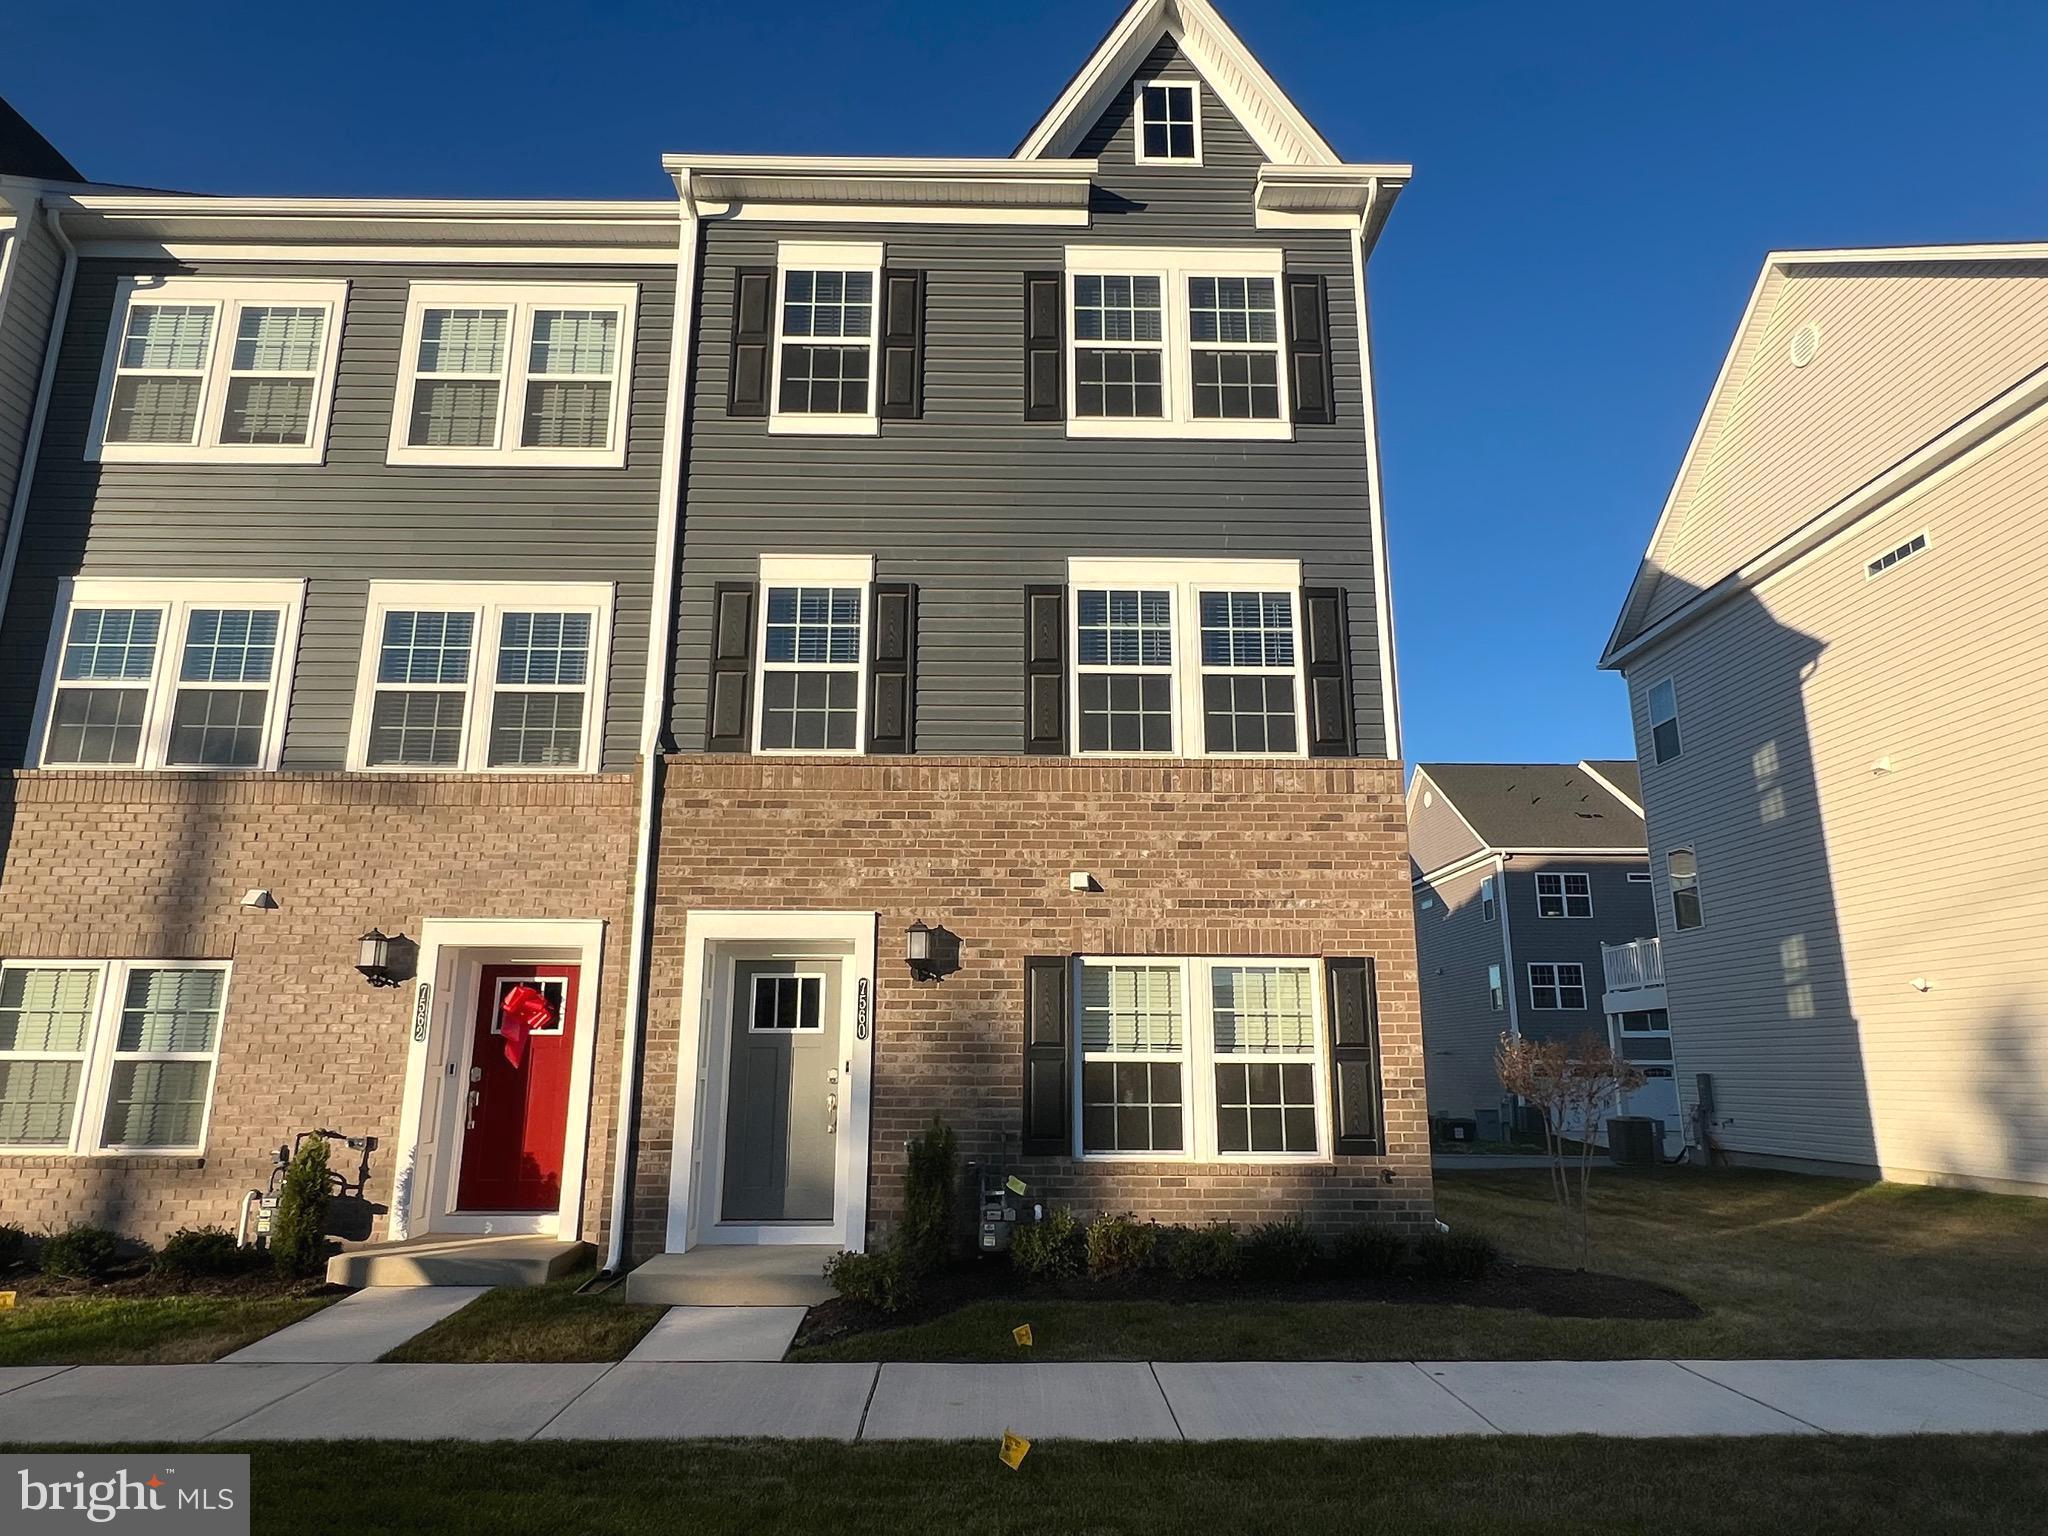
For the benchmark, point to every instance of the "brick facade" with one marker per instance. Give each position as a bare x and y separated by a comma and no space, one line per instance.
153,866
1194,858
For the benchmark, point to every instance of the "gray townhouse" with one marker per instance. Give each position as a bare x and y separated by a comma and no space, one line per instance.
1533,917
859,641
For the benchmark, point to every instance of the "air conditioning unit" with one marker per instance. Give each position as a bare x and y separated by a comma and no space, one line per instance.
1635,1141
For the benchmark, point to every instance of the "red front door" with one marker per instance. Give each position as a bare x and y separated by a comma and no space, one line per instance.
515,1115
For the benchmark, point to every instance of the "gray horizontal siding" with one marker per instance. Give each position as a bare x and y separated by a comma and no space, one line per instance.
972,502
36,271
348,521
1621,911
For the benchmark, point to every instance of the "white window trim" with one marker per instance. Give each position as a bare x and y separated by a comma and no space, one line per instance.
1650,709
96,1072
175,599
1185,581
488,601
1138,122
226,297
813,256
1564,895
1174,268
1558,985
818,571
522,299
1198,1059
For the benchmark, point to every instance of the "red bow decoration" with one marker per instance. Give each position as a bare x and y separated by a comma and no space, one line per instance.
523,1011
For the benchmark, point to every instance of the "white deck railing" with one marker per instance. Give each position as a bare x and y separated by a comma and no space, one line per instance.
1633,966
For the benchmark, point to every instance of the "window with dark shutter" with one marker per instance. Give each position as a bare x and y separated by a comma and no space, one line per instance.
1048,1127
1327,671
1354,1057
892,668
902,372
1045,670
1045,360
1308,349
728,706
753,335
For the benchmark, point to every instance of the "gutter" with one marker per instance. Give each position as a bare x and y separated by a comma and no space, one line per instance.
1363,236
32,448
654,706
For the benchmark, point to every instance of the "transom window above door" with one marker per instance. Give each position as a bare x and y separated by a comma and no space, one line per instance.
528,374
827,333
813,674
207,370
466,677
1169,122
1197,658
173,674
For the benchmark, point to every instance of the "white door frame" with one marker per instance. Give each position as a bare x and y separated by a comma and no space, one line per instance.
453,952
712,942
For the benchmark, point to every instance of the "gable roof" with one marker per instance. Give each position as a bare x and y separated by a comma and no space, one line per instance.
25,152
1785,456
1527,806
1280,129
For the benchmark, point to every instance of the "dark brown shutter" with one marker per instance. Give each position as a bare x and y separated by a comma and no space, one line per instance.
1308,349
892,668
732,668
1045,670
1048,1073
1354,1056
1045,358
1326,674
902,372
753,334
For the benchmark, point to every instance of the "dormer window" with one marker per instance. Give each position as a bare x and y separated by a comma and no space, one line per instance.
1169,123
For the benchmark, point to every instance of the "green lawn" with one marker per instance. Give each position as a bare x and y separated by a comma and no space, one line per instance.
1782,1264
143,1330
541,1323
1820,1486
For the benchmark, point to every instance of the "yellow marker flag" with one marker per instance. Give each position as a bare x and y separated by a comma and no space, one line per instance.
1014,1448
7,1303
1022,1335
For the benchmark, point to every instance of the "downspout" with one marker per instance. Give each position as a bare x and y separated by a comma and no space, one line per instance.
654,714
1383,594
31,450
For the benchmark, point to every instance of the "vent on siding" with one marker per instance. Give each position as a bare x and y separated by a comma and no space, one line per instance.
1886,561
1805,344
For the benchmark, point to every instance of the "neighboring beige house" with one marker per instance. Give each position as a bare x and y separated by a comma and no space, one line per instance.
1835,651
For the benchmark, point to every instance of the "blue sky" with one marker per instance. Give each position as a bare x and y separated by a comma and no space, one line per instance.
1596,185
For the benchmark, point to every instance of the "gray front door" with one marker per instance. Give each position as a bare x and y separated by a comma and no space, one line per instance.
782,1092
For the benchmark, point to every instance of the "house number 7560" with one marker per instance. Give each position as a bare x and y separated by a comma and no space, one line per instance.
860,1010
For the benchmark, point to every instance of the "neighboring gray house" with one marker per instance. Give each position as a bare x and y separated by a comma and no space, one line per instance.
1532,913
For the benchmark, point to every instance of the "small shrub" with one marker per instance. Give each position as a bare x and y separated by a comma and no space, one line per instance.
1459,1255
880,1278
14,1246
1280,1250
298,1228
1049,1249
1120,1245
1368,1251
928,1238
1205,1253
80,1253
193,1253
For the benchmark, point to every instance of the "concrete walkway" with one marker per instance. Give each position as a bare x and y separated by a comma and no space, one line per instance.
359,1327
645,1399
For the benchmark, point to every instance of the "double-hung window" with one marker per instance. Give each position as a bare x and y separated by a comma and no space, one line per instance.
827,318
470,676
108,1056
1175,343
1199,1059
1564,895
1489,902
1496,994
1683,868
1169,122
1232,687
495,373
1557,985
813,675
205,370
172,674
1664,743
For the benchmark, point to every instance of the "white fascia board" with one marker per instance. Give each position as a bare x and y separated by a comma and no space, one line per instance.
127,220
887,191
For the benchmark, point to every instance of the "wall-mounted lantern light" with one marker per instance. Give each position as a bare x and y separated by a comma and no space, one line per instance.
931,953
381,957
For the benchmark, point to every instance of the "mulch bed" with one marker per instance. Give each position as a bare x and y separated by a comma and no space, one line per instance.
1511,1287
134,1282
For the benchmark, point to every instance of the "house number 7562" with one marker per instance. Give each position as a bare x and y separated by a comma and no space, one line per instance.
420,1010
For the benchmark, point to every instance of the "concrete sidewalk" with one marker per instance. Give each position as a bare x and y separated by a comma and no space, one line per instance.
659,1400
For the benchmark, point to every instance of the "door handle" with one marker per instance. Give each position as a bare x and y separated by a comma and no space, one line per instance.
831,1113
475,1098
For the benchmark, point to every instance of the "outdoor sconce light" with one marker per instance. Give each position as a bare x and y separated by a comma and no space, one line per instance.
373,959
931,953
